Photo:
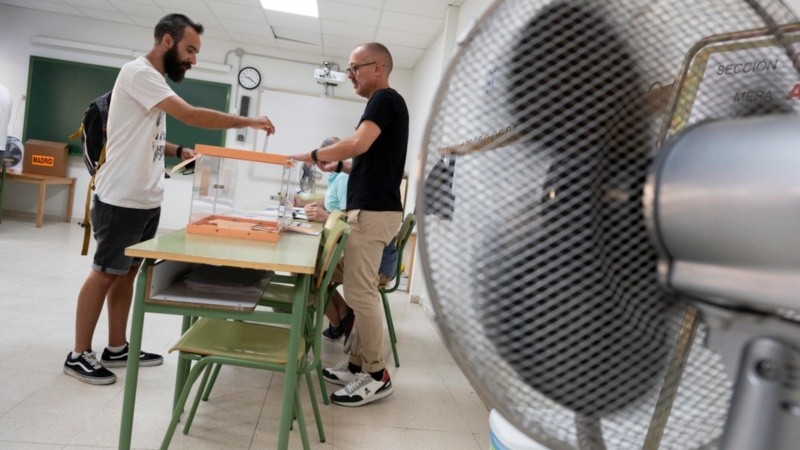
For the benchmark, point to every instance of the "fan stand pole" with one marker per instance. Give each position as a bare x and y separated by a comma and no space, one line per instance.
589,433
672,379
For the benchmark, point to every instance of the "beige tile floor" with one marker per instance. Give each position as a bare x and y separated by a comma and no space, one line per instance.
433,405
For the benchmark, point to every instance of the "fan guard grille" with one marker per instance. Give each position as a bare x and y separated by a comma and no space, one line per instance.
538,263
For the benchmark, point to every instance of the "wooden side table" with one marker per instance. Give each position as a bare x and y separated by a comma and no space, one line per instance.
43,181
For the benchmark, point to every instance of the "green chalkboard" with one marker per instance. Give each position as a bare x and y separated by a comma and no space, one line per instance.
60,91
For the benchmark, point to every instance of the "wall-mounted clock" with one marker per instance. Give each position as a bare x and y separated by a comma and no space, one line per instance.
249,78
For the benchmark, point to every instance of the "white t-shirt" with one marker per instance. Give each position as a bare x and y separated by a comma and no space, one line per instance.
133,174
5,115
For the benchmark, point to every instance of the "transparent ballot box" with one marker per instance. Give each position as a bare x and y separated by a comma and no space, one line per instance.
242,194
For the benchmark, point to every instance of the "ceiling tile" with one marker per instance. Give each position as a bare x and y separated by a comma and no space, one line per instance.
388,37
411,23
280,19
239,12
350,30
367,3
216,33
265,41
308,37
341,42
108,16
243,2
343,12
207,20
300,47
20,3
102,5
58,7
148,22
183,6
139,9
432,8
256,29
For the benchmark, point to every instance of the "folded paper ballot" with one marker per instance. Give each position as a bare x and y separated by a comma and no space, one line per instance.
304,227
229,280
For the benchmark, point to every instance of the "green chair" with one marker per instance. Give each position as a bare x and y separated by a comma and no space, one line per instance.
210,342
279,297
402,239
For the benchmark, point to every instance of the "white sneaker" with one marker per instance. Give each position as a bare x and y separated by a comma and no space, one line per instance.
363,389
339,374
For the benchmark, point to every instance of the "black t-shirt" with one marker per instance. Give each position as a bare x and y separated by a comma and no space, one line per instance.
375,176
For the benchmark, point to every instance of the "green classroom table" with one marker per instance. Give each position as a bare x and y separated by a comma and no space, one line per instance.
294,252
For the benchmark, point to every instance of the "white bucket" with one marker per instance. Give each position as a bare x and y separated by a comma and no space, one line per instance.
505,436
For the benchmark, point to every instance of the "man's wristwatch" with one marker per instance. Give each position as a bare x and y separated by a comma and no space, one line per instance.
339,166
314,155
179,152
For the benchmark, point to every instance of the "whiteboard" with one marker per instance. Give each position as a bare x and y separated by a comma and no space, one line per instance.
302,121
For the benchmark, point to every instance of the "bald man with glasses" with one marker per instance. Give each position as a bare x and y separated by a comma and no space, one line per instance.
375,211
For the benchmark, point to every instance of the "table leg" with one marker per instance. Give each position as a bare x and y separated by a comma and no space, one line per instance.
134,348
40,206
70,194
183,365
290,380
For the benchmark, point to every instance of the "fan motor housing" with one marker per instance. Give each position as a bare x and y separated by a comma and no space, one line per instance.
722,203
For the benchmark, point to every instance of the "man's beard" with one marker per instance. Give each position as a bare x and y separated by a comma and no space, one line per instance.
174,67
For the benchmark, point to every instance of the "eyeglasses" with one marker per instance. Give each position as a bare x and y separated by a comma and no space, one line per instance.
353,68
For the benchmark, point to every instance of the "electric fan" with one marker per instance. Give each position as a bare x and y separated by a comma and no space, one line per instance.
603,294
308,178
13,154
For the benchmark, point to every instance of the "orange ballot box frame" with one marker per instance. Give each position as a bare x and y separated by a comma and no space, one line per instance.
214,209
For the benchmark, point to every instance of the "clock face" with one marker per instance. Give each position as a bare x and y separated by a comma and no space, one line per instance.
249,78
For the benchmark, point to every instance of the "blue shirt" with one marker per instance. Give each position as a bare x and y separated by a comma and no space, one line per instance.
336,196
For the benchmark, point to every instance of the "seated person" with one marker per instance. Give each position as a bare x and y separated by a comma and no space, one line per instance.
338,313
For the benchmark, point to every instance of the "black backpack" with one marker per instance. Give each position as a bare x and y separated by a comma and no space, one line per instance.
93,136
93,132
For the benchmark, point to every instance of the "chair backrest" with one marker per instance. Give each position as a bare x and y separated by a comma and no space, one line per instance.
402,238
335,216
333,237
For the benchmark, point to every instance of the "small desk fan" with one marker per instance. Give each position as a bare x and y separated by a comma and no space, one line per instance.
636,282
13,154
308,178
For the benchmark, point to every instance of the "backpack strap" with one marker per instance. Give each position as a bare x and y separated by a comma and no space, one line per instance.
87,223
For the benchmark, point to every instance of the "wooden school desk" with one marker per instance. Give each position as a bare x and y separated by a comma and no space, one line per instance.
294,252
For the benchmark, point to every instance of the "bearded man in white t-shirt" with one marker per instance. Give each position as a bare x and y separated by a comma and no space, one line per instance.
130,187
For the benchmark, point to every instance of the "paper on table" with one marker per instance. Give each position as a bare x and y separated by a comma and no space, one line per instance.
304,227
299,213
230,280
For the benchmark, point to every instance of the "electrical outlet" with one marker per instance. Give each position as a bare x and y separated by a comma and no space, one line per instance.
24,97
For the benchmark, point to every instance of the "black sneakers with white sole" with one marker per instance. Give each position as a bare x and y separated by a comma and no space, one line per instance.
87,369
120,359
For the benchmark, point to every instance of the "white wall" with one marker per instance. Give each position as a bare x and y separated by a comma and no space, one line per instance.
280,70
427,77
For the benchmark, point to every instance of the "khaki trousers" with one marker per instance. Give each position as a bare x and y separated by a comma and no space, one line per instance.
370,231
